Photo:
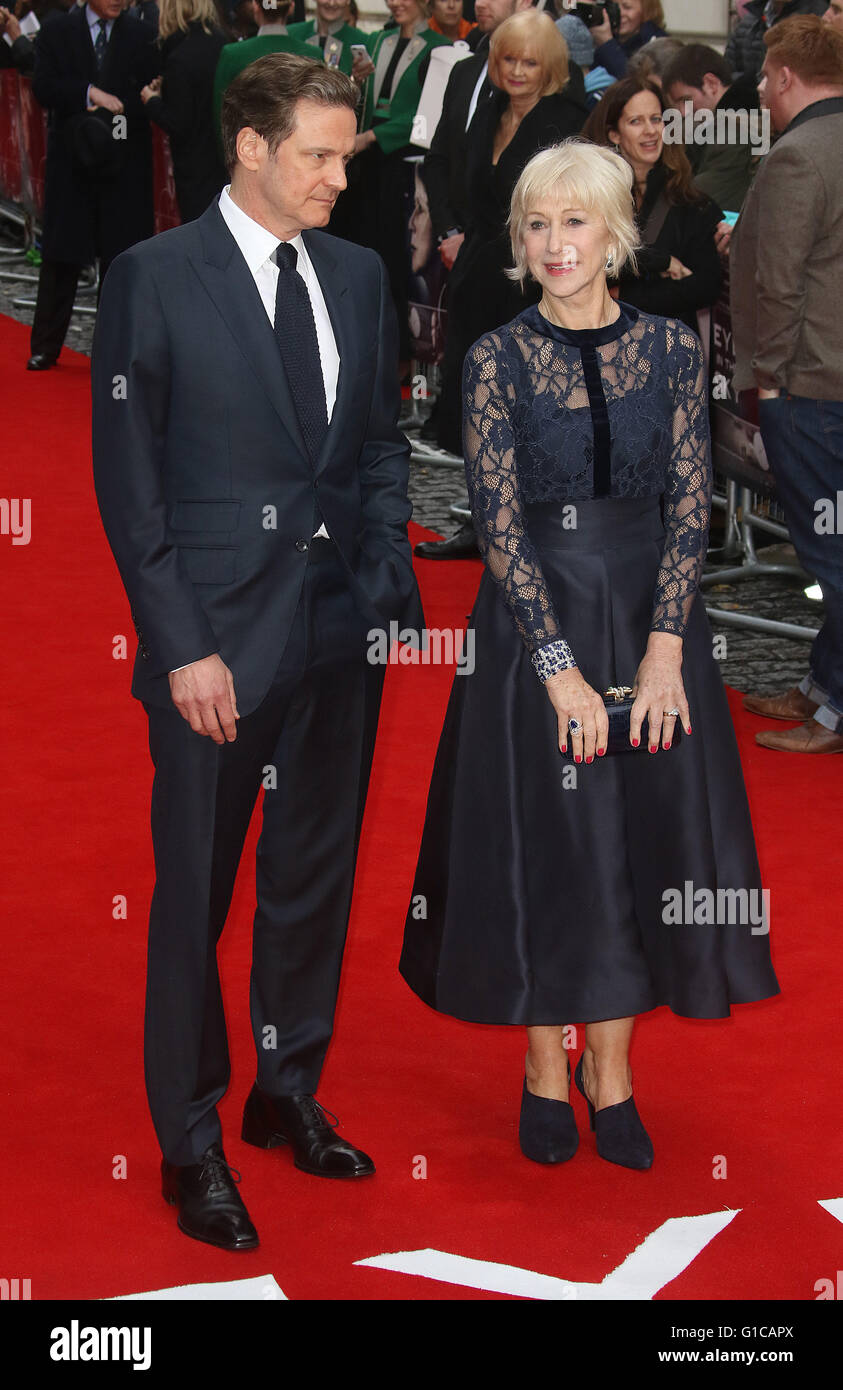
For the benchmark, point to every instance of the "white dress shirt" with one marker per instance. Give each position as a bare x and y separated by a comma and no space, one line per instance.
258,246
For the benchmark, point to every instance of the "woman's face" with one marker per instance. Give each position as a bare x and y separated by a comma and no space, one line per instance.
639,135
447,14
421,230
329,11
566,247
404,11
631,18
521,74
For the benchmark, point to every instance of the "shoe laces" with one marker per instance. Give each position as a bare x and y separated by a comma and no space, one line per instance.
316,1114
218,1171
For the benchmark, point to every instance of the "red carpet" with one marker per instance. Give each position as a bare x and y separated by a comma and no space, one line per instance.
761,1090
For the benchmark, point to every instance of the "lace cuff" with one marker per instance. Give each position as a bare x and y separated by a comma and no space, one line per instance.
555,656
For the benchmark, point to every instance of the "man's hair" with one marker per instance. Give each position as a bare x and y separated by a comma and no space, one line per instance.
811,49
691,64
264,96
653,57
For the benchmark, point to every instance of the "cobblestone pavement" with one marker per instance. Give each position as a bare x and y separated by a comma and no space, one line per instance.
749,660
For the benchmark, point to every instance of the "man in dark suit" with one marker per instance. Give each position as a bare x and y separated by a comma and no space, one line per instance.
253,486
90,66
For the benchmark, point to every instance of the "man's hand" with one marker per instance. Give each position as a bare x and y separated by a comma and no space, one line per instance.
97,97
152,89
449,248
676,270
722,237
364,140
768,395
203,694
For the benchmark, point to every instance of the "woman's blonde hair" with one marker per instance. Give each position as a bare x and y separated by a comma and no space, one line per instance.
534,32
178,14
580,175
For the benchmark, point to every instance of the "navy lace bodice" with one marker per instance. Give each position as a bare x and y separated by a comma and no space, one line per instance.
553,415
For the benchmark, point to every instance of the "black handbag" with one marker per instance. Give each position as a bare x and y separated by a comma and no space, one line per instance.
619,700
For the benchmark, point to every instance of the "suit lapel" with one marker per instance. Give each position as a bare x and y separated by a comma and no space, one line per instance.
79,18
332,282
229,282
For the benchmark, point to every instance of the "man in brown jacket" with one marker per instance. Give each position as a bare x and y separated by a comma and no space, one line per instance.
787,301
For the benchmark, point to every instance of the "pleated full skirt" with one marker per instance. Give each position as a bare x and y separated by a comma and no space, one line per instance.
536,901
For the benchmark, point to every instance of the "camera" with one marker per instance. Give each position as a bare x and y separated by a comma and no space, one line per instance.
592,14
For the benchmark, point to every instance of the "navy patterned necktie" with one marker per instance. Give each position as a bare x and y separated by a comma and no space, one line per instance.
101,43
295,330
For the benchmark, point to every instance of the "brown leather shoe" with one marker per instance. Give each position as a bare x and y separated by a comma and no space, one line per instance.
791,705
810,737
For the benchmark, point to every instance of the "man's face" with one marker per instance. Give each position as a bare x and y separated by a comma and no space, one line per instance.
834,15
107,9
490,13
704,98
297,186
772,97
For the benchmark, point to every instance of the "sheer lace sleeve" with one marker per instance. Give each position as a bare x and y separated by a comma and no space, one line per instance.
495,500
687,498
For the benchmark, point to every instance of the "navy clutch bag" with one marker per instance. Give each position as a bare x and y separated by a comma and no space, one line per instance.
619,700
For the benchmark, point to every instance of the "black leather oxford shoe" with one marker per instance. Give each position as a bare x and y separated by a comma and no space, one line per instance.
210,1207
300,1122
40,362
461,546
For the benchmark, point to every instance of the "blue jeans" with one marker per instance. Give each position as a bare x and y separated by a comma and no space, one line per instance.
804,443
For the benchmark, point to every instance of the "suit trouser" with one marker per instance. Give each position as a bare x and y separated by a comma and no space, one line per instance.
310,744
804,443
57,284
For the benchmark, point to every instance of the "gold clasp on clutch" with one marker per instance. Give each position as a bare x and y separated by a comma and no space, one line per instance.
619,692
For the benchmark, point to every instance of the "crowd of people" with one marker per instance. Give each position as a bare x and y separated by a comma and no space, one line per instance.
531,79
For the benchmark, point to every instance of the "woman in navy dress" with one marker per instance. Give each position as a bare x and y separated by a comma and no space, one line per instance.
554,891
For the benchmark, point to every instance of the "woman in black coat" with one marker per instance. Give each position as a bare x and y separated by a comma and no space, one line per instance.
180,101
679,268
537,105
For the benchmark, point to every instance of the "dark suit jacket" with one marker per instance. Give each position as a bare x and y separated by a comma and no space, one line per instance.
445,163
185,111
204,483
84,216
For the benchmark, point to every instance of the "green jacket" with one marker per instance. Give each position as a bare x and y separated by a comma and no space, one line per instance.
346,34
396,131
237,56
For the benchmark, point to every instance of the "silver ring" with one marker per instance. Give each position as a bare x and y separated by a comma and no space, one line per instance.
674,713
575,726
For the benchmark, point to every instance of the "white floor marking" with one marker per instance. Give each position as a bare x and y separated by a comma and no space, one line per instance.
660,1258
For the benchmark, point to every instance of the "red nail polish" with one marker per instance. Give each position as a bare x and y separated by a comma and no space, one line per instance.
600,752
653,747
689,728
667,745
577,758
591,759
635,742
